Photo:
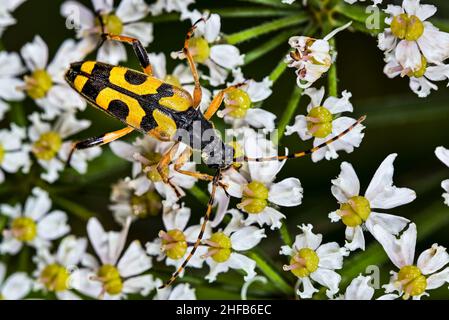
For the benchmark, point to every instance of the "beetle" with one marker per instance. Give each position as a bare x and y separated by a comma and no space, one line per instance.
151,106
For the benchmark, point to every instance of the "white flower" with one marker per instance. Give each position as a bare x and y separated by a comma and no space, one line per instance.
126,204
414,40
161,6
145,154
181,76
6,8
413,280
323,123
123,20
311,260
224,248
205,49
45,82
443,154
34,224
311,57
51,149
421,81
10,68
16,286
356,210
116,274
181,291
240,109
358,289
58,272
14,154
175,244
255,185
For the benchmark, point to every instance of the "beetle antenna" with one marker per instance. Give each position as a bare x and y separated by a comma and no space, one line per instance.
303,153
215,184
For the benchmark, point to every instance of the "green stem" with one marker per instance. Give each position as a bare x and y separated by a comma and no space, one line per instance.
289,111
199,194
279,70
268,46
73,208
18,114
360,15
254,32
248,12
332,75
271,274
285,235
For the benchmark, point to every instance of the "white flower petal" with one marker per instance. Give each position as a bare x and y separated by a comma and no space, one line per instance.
16,287
327,278
347,184
287,193
226,55
53,225
141,285
247,238
307,239
35,54
359,289
442,154
391,223
331,255
382,193
433,259
355,238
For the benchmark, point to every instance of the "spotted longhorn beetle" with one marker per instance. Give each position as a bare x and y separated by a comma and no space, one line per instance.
151,106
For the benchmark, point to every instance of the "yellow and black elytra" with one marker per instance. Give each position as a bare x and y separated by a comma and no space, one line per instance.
151,106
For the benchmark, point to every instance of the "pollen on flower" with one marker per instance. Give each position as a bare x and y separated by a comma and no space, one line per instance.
47,146
38,84
219,247
148,204
24,229
407,27
55,277
110,277
319,122
174,243
421,71
355,212
2,153
199,48
254,200
411,280
237,102
112,23
150,161
303,263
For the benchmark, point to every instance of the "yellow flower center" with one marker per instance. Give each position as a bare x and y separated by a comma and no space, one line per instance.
148,204
112,24
421,71
219,247
173,80
2,153
47,146
319,122
303,263
407,27
199,48
237,101
55,277
238,153
355,212
254,199
24,229
38,83
174,243
151,169
110,277
412,281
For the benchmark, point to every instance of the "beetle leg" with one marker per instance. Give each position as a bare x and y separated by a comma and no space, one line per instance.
218,99
197,94
138,48
163,164
181,161
98,141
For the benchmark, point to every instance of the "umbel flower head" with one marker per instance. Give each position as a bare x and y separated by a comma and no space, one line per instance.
413,280
311,57
356,210
312,260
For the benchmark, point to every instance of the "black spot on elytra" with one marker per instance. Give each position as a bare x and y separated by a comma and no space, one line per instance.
119,109
135,78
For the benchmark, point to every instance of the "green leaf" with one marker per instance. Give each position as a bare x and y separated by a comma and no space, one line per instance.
266,47
73,208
